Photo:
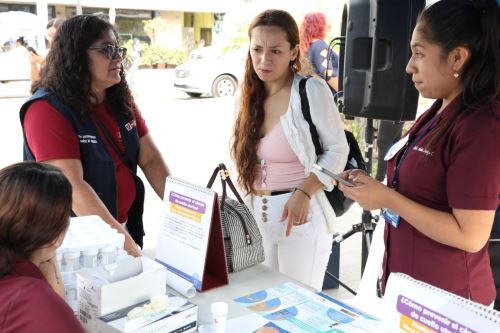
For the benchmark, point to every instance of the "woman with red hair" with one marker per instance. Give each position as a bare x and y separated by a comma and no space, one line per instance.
324,61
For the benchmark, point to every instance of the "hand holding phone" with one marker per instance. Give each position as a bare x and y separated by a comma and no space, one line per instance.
332,175
32,50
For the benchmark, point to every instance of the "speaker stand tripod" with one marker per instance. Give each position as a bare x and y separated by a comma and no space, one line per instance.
368,221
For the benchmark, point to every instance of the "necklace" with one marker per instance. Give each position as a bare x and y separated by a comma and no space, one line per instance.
280,89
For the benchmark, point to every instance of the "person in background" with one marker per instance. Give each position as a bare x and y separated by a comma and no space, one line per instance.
35,205
494,251
324,61
136,55
274,153
6,47
36,60
83,119
443,184
20,42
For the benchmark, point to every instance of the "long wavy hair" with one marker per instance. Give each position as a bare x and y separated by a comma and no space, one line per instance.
313,27
246,131
66,71
35,206
475,25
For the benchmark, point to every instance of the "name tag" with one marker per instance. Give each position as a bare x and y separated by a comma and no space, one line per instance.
390,217
395,148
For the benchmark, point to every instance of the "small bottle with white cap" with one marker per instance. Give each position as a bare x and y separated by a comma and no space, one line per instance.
219,314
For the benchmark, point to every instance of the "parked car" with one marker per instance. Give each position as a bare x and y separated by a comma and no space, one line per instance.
207,72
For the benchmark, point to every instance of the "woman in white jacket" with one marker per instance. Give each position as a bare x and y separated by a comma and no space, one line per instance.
274,152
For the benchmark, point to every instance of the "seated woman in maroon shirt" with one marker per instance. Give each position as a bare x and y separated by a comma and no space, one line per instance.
35,205
444,182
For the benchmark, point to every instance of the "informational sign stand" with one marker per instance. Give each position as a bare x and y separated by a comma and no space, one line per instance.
190,242
414,306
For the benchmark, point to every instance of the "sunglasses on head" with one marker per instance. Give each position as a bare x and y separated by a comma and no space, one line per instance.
110,51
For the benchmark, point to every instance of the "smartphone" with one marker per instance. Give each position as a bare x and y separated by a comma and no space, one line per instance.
332,175
32,50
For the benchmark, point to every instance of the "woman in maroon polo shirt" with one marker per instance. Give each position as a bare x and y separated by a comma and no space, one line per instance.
35,205
444,179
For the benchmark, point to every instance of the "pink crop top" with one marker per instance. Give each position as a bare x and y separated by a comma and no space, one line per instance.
278,168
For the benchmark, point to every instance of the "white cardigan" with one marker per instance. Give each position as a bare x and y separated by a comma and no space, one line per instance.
326,118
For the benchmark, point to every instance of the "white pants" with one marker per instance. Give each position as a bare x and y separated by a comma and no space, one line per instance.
305,253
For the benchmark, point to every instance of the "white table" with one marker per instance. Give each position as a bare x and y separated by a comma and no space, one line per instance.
252,279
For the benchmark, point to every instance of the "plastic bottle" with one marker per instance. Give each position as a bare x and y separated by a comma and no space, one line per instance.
72,261
89,258
107,255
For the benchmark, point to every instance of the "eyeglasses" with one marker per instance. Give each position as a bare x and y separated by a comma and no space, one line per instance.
110,51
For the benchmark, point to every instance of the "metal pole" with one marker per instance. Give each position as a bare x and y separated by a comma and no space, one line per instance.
78,8
42,12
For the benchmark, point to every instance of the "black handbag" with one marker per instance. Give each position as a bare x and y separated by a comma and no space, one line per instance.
242,238
339,202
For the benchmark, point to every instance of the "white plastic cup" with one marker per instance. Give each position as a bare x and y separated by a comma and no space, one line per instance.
70,295
72,261
107,254
59,258
68,278
219,314
119,242
89,258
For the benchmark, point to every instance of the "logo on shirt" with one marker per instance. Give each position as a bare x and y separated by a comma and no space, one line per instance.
87,138
423,150
131,125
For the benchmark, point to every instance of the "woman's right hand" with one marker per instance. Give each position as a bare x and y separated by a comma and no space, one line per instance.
131,247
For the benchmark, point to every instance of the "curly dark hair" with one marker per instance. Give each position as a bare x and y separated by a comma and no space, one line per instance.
246,132
66,70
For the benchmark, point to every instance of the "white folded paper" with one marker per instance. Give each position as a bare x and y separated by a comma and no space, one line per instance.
180,285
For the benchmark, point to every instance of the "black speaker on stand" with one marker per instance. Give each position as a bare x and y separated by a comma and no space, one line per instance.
374,52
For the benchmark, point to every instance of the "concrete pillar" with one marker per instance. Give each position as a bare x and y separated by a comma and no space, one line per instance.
112,15
42,12
79,10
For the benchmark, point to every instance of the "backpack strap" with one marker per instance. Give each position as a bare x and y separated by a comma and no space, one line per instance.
306,112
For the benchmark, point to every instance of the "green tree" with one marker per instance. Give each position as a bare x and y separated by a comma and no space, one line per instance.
154,26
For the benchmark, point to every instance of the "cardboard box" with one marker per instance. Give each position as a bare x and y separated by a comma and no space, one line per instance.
180,316
107,289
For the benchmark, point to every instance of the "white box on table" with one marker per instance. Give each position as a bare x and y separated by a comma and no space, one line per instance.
182,316
106,289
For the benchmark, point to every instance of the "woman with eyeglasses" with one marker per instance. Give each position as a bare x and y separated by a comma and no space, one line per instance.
83,119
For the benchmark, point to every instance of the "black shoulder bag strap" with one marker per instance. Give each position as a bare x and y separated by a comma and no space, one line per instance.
224,178
112,142
136,225
306,112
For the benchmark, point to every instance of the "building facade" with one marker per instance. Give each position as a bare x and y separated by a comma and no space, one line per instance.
186,22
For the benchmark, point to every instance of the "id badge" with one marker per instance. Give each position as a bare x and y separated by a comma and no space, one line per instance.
395,148
390,217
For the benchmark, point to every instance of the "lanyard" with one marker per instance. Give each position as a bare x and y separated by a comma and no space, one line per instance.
409,146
